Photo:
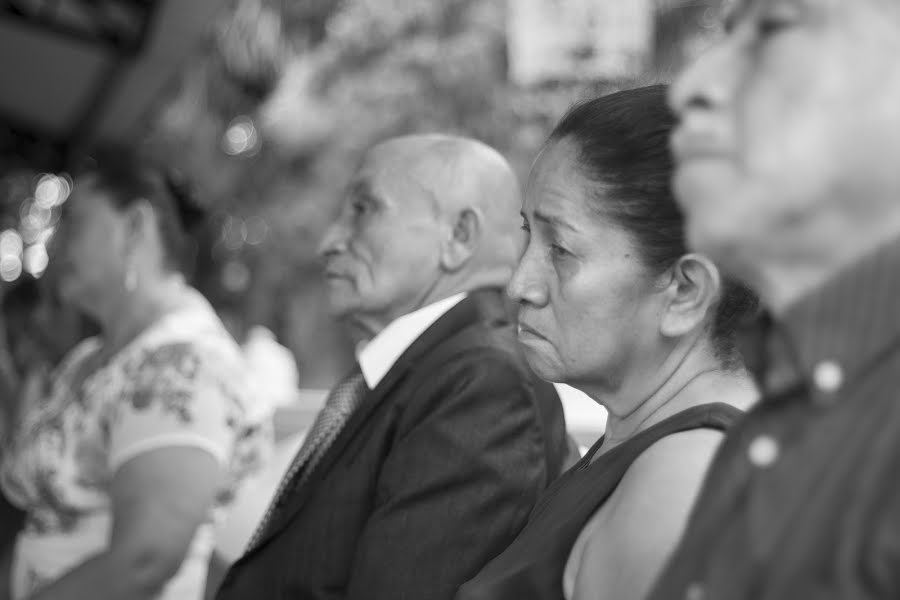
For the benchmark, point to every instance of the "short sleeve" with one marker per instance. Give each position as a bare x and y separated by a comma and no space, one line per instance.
174,395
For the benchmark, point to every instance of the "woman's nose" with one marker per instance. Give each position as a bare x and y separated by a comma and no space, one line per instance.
525,286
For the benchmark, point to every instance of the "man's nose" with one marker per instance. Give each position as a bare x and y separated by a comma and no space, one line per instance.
333,241
709,82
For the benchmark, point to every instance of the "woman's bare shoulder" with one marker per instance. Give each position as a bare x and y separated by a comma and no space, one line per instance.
634,532
629,539
659,488
670,467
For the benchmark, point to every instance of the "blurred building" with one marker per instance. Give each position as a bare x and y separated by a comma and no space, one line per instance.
552,40
605,40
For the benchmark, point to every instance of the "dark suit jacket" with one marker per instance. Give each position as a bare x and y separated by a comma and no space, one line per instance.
433,476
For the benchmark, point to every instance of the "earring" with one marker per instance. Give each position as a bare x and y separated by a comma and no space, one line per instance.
131,279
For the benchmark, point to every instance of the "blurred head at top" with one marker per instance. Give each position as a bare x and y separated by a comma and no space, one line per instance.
788,140
124,232
424,217
610,299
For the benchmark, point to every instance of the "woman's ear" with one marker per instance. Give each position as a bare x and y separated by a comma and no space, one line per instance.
463,241
140,221
692,292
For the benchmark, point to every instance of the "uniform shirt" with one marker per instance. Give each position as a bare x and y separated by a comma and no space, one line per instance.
803,500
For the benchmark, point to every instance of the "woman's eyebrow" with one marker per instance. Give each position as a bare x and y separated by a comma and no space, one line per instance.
554,220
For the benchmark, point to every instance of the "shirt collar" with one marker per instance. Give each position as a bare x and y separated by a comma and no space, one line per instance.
830,337
377,356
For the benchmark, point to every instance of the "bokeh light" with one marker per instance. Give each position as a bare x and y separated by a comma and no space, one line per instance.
40,215
11,244
45,236
256,229
39,199
51,191
235,276
36,259
233,233
241,137
10,268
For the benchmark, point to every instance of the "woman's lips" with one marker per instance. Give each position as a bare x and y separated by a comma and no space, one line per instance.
527,331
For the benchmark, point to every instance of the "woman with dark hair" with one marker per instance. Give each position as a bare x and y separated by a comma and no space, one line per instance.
127,458
612,303
23,357
38,333
39,329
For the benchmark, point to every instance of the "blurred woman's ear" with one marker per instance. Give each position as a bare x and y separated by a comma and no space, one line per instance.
691,295
140,223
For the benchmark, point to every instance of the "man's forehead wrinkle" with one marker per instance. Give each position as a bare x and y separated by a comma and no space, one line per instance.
453,173
398,174
445,170
434,164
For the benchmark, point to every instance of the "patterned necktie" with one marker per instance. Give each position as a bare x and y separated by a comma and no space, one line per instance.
340,405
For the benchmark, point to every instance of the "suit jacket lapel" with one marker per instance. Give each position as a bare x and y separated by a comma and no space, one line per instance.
480,305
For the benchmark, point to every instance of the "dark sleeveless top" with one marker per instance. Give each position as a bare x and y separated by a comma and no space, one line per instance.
531,568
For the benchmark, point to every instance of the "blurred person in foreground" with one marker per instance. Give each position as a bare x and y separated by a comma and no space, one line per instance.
439,442
123,463
23,366
612,303
26,351
38,332
787,169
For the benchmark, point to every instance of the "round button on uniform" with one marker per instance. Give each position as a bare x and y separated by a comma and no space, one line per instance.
763,451
828,376
695,591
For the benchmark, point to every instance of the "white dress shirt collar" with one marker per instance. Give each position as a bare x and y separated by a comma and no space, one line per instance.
377,356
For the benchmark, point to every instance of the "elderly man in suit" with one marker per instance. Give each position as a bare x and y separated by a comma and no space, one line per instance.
787,167
428,458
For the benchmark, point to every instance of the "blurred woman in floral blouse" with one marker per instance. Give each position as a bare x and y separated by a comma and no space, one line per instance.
123,462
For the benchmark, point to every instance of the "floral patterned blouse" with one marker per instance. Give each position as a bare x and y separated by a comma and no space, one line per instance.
179,383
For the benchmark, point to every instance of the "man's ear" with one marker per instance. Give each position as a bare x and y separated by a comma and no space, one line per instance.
463,240
692,292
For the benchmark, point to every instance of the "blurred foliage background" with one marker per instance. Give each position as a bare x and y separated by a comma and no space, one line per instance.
271,116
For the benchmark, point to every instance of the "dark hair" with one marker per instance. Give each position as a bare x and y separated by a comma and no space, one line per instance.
127,179
622,142
19,302
20,310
